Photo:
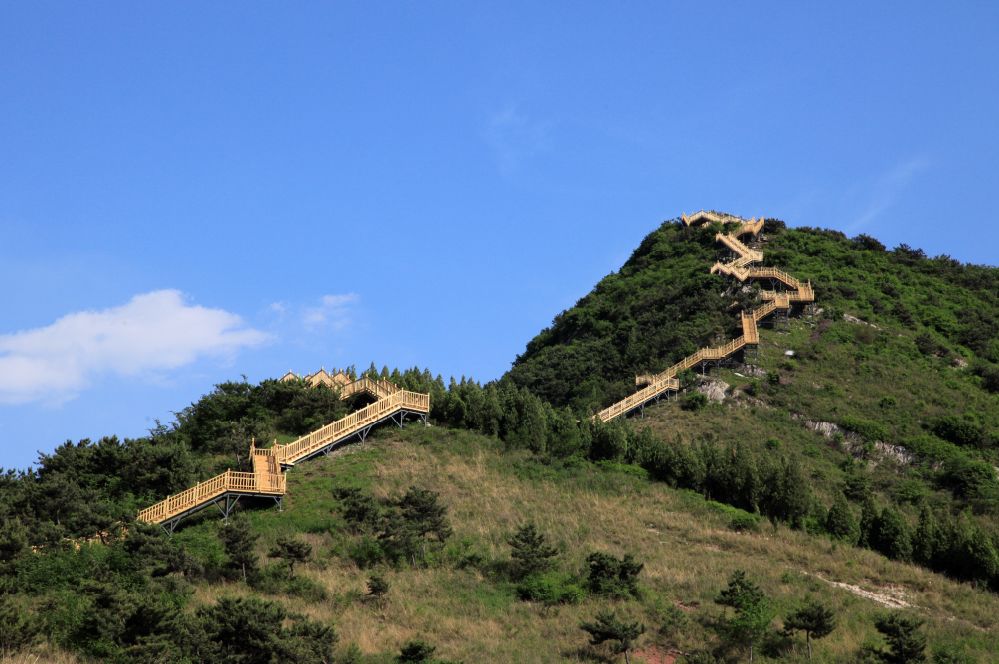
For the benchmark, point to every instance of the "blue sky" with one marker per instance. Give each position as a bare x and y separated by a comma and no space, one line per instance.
194,191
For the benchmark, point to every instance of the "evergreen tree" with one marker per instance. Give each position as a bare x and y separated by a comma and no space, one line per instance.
240,629
891,535
238,542
753,611
422,509
740,591
398,538
927,543
814,619
840,522
608,627
531,552
378,587
906,641
13,542
358,508
17,629
868,522
606,575
291,550
310,641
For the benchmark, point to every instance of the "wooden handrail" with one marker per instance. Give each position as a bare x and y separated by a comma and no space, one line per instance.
350,424
267,478
733,243
738,268
203,492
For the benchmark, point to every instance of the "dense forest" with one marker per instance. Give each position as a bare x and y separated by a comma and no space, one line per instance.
901,364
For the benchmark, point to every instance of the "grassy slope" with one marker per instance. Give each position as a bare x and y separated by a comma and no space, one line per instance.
683,540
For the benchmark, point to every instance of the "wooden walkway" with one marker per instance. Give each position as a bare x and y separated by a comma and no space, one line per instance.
795,292
268,478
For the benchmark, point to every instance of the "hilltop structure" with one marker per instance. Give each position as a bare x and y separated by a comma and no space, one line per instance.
785,292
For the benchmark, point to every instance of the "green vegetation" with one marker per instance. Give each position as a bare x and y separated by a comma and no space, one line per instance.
866,459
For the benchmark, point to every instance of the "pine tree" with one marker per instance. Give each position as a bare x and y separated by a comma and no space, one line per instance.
926,543
531,552
291,550
753,611
17,629
739,592
608,627
606,575
378,587
906,641
422,509
891,535
814,619
239,541
868,521
840,522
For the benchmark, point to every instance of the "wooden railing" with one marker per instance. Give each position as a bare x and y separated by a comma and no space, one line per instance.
267,477
802,292
739,247
751,226
376,388
230,480
711,215
638,398
309,443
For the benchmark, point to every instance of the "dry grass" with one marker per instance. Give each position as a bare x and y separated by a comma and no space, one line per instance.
42,655
687,549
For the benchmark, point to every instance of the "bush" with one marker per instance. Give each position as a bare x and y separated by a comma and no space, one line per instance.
551,588
694,401
366,552
416,651
606,575
744,522
869,429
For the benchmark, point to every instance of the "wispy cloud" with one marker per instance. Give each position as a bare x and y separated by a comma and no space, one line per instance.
887,189
333,312
514,137
152,332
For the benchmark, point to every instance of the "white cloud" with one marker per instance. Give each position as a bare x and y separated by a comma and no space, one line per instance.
887,189
153,332
332,312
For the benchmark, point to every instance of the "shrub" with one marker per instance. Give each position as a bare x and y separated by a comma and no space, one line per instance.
606,575
551,588
366,552
744,522
416,651
694,401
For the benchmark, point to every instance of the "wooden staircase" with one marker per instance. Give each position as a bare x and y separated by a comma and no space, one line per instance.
268,478
798,292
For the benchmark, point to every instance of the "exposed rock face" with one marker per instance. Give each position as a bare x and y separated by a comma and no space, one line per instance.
713,389
855,444
753,371
827,429
853,319
896,453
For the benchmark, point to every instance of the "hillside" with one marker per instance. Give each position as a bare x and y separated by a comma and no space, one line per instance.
851,462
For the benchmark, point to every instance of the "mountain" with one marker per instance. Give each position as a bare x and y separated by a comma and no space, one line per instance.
847,457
